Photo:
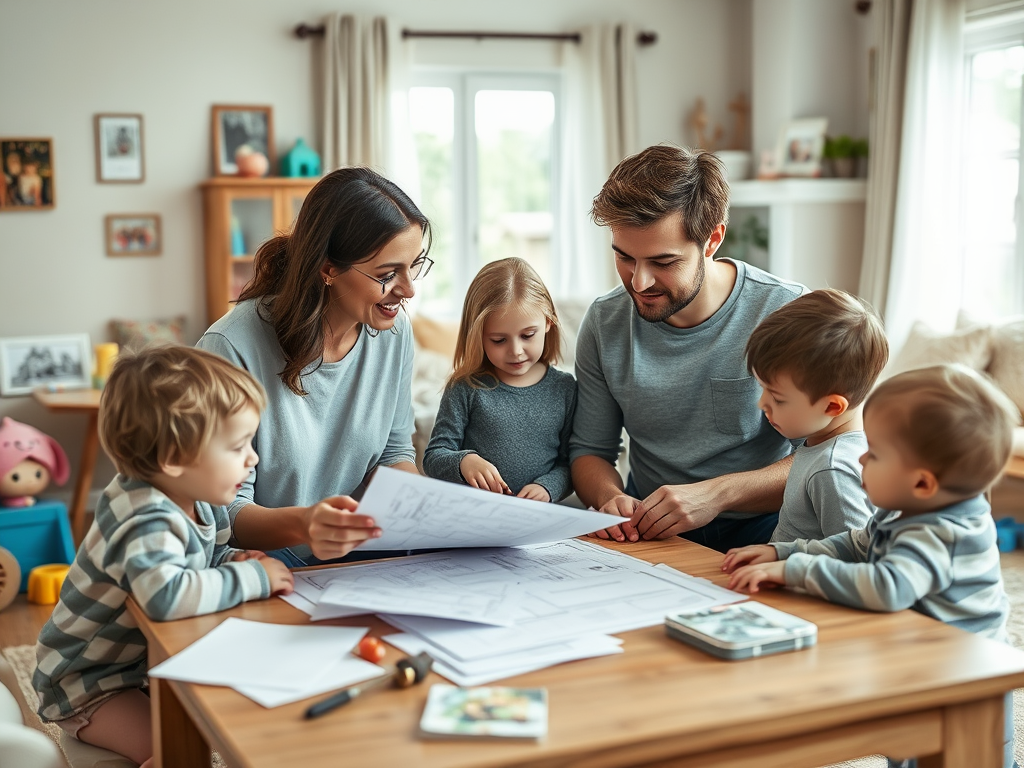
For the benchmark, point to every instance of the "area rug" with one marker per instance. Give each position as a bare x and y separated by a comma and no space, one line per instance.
23,658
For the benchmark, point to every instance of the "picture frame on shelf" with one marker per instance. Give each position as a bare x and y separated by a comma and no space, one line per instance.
28,176
800,147
120,157
133,234
29,362
236,126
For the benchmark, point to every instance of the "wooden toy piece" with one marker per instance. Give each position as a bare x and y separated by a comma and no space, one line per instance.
741,109
44,583
10,578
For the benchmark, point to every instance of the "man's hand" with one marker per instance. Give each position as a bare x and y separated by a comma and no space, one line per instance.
623,506
750,577
480,473
752,555
535,492
675,509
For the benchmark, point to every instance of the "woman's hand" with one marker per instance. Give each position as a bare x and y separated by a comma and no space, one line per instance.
752,555
480,473
281,580
535,492
335,528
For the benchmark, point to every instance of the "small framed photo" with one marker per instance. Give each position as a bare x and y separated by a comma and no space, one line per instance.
235,127
28,174
133,234
119,158
800,146
29,362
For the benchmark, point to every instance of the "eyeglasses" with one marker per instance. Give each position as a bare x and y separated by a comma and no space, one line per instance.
417,271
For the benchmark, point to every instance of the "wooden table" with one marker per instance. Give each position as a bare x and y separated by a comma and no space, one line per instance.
85,401
897,684
1016,467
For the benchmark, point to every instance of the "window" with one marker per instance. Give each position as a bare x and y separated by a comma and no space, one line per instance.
992,255
487,148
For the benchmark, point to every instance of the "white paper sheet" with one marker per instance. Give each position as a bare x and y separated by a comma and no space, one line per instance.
346,672
252,653
417,512
484,671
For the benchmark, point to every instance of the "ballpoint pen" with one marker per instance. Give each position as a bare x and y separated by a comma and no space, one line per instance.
407,672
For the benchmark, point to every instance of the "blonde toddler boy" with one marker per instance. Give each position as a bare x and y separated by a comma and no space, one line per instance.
937,439
816,359
178,424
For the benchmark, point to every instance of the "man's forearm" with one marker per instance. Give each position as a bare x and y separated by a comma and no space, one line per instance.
259,527
595,481
757,491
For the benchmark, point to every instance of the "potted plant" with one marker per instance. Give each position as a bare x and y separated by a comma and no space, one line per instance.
860,157
839,150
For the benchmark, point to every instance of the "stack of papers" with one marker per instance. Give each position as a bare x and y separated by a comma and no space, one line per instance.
307,660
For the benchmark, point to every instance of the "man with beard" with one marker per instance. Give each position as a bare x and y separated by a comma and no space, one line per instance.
663,356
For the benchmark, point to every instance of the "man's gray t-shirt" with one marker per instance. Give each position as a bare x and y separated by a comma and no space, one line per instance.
823,493
523,431
357,416
684,395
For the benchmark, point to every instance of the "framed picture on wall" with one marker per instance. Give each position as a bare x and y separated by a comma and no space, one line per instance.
133,234
119,158
235,127
800,145
28,174
28,362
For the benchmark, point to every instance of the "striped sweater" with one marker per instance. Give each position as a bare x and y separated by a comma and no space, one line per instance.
141,544
944,564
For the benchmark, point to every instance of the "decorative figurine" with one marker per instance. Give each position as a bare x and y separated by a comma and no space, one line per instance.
300,161
250,162
28,461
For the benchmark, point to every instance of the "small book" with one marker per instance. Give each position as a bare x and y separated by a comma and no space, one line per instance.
485,712
742,630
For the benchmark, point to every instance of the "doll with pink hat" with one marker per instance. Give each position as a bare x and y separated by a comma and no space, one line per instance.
28,461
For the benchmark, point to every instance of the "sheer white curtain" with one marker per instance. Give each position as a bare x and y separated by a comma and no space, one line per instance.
362,65
599,128
917,279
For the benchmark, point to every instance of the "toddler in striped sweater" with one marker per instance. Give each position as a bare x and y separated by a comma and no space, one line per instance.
937,439
178,424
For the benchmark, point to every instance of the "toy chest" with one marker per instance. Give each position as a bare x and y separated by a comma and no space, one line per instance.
37,535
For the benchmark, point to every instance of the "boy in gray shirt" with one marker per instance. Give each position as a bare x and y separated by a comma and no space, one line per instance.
816,359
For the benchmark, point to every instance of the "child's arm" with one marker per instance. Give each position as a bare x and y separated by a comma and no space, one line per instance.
147,557
558,481
917,564
444,453
839,500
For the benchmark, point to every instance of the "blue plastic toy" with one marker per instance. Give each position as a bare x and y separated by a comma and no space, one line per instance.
37,535
1006,534
300,161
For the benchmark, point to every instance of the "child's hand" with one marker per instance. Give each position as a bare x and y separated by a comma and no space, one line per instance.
752,555
623,506
246,554
750,577
281,580
480,473
535,492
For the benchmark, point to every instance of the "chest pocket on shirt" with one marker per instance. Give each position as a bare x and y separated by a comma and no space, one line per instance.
735,404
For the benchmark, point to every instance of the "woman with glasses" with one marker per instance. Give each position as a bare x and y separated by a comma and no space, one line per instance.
320,326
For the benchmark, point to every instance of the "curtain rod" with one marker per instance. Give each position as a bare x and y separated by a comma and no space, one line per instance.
303,31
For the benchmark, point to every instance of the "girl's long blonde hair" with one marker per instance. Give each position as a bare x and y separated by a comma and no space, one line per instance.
499,285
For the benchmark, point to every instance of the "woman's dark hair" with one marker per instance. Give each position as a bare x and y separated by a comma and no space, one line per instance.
346,219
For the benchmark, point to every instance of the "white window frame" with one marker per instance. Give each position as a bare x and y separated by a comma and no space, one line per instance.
989,31
464,84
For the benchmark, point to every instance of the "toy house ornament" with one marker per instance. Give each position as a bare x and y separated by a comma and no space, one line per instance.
300,161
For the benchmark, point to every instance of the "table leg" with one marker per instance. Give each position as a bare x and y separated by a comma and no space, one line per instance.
83,483
972,736
177,742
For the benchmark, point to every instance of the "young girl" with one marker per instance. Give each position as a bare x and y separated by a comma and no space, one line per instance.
506,414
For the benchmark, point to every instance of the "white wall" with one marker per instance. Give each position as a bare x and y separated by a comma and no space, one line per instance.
65,60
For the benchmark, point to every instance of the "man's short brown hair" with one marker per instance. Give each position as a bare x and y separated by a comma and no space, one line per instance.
161,405
663,180
955,422
829,342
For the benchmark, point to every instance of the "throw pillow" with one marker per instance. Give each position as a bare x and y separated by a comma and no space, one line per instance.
133,334
968,346
1007,367
436,335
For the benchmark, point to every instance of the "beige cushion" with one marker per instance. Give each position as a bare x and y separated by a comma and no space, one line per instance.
970,346
1007,366
436,335
138,333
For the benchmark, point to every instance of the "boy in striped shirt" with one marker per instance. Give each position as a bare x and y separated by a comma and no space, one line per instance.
178,424
937,439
